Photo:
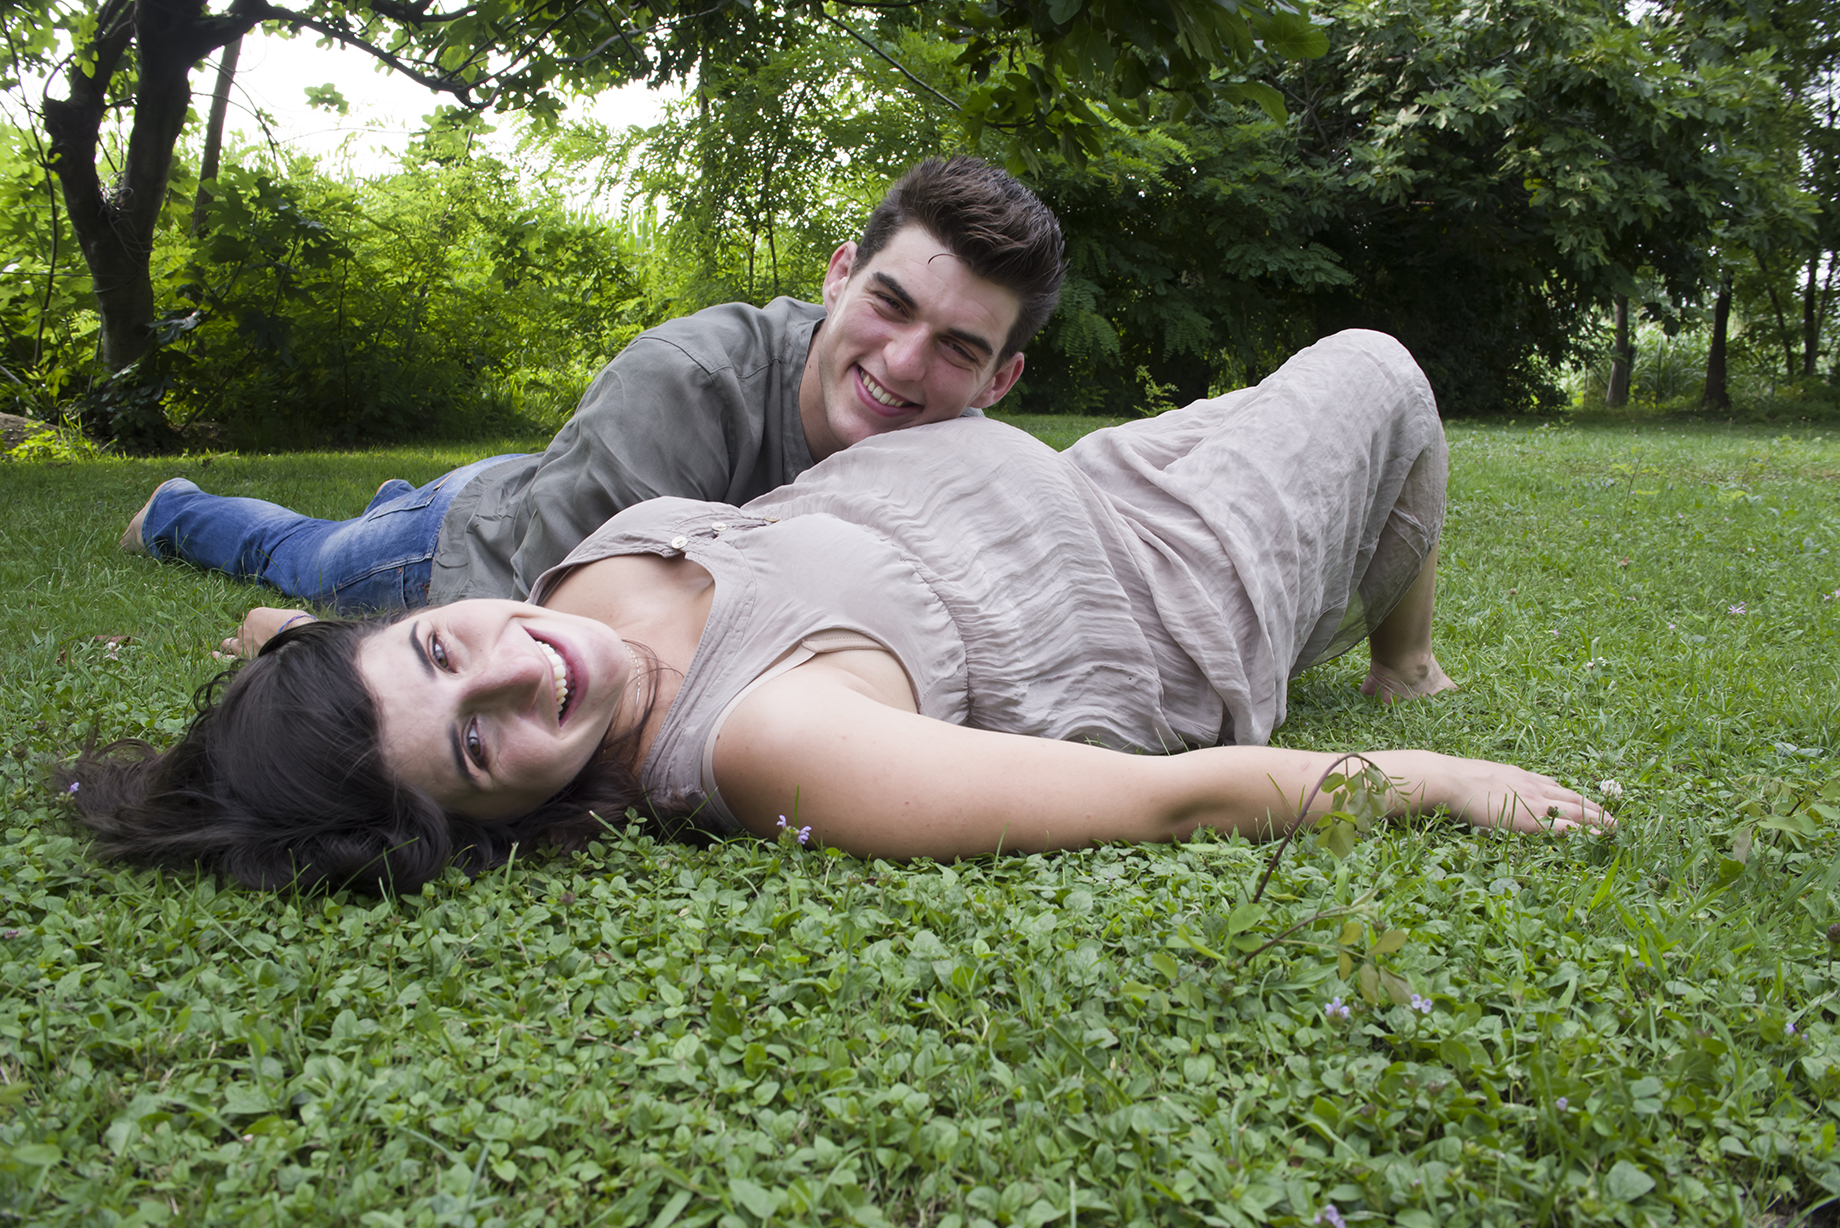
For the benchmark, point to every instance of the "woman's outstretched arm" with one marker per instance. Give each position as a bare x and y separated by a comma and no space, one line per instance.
881,782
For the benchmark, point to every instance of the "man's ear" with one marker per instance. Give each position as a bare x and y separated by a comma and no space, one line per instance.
1007,373
842,260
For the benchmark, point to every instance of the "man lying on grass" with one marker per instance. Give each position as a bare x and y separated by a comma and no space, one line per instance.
923,319
920,648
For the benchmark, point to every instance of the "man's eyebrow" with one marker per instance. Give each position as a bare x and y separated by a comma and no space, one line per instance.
893,287
453,736
974,340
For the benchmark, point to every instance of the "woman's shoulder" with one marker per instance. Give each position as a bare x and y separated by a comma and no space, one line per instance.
661,526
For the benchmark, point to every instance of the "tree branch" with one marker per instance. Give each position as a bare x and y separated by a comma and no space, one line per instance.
898,66
443,82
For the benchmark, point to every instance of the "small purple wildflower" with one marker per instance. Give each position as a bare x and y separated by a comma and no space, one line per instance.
1833,596
73,787
1422,1005
1788,1030
1562,1104
1735,609
1330,1216
1336,1009
803,833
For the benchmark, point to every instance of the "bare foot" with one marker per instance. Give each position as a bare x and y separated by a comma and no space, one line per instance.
131,539
1389,684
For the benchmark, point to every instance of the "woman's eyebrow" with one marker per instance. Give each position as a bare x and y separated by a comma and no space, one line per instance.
460,764
420,653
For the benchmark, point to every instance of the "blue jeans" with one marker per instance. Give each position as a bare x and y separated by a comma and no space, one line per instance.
379,561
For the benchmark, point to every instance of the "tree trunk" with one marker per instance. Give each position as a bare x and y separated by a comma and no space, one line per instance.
1811,317
1622,360
1782,327
214,130
1718,396
114,224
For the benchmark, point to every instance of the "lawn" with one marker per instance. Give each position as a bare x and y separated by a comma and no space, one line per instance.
1439,1028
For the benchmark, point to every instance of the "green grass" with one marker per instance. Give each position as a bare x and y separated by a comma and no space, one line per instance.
662,1036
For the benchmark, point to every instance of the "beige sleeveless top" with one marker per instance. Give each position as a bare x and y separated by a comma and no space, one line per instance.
1153,588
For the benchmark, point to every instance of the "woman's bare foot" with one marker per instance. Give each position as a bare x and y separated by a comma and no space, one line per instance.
131,539
1390,684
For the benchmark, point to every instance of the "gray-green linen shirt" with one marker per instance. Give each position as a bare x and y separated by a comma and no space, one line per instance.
705,407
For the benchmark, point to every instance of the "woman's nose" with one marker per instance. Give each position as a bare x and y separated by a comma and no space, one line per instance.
512,677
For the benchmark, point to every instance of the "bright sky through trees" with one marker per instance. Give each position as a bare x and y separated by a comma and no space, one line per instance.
386,109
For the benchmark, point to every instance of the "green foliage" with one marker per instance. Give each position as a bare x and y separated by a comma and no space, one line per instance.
1500,171
326,312
771,162
646,1034
47,309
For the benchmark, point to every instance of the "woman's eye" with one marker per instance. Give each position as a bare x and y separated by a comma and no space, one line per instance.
437,652
475,745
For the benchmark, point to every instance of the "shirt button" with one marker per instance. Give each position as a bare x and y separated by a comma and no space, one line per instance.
678,543
718,527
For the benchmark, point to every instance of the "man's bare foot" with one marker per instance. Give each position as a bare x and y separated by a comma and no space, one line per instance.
1390,684
131,539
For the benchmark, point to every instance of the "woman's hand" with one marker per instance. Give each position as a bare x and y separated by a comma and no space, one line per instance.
260,625
1495,795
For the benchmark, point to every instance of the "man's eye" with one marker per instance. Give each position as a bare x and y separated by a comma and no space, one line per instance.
475,745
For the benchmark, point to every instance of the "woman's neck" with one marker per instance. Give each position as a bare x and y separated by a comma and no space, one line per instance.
658,604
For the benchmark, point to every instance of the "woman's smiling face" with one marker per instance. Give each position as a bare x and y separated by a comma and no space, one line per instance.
491,707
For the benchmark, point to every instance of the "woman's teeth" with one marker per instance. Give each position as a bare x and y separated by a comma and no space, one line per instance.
561,673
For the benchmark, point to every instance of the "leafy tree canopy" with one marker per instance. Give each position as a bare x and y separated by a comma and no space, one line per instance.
1035,70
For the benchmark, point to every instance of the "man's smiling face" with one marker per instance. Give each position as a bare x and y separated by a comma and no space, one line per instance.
912,336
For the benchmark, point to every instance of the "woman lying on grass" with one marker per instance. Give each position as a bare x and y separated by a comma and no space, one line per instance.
935,643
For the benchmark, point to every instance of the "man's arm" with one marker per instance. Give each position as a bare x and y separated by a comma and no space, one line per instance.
704,407
653,423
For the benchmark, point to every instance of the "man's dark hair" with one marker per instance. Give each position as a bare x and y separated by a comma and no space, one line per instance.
988,220
280,781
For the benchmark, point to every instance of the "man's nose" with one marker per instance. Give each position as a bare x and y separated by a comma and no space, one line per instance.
905,354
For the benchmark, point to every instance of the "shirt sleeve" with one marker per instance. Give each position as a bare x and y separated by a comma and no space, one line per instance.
654,422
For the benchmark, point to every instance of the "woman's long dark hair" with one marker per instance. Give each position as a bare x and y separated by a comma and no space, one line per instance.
279,781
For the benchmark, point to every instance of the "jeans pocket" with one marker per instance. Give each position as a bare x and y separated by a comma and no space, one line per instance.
388,589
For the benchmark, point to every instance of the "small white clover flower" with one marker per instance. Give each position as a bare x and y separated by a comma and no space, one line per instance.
1609,788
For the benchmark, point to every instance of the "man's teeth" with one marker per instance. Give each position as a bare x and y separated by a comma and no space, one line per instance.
561,673
882,394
